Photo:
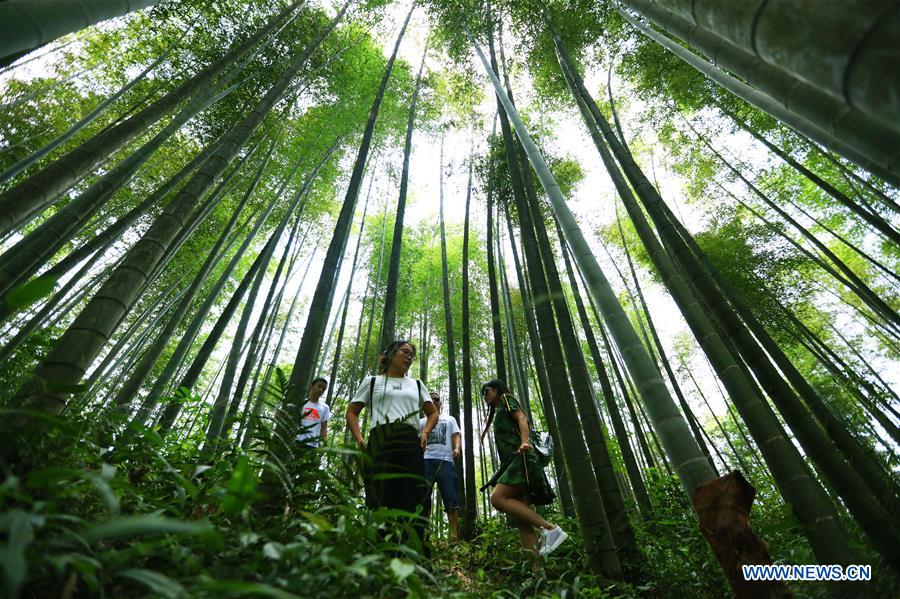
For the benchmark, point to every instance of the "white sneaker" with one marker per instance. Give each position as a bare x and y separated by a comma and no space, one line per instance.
552,539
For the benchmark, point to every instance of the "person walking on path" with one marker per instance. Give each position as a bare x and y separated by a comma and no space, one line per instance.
520,481
395,468
441,449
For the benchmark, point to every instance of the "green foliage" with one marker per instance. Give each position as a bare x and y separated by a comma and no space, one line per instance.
23,296
147,518
461,92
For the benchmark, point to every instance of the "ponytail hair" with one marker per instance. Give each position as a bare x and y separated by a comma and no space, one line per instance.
502,389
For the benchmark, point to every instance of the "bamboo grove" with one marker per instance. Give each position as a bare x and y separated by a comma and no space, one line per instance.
669,225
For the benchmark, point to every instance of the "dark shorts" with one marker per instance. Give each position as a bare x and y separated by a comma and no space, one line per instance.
444,473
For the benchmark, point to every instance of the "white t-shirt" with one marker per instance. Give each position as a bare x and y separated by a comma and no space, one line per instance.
314,414
440,439
394,399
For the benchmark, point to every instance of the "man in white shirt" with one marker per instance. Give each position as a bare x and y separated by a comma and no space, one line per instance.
315,416
442,448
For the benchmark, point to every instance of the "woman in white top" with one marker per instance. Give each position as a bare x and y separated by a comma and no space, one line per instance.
395,445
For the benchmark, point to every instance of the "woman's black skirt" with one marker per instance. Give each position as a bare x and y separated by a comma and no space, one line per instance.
395,474
395,477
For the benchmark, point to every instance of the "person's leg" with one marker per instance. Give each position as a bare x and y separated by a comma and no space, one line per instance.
508,499
431,469
528,537
374,466
446,480
453,519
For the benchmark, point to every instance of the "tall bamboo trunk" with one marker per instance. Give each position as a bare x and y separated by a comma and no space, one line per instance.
582,389
628,459
514,358
252,421
29,24
837,124
332,381
641,440
883,162
470,513
320,305
43,187
360,367
559,464
492,275
450,339
230,392
657,343
800,43
389,315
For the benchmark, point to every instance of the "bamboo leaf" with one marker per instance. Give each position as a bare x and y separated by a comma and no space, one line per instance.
159,583
18,526
402,569
200,470
241,488
106,492
320,522
25,295
145,525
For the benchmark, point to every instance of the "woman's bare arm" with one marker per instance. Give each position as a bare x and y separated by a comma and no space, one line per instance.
353,411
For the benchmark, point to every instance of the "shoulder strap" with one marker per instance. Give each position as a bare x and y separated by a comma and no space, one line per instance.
371,390
418,389
510,414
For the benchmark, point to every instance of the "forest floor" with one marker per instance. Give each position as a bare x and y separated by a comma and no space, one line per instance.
494,565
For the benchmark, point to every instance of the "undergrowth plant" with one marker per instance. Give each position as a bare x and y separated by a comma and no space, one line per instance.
158,517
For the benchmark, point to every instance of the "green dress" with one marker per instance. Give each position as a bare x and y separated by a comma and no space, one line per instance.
506,436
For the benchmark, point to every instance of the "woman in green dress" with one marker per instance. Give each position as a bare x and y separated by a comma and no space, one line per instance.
521,479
